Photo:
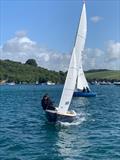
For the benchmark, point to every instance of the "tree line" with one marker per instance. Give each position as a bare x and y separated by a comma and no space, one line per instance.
28,72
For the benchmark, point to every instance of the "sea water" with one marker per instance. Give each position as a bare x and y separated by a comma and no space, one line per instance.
25,133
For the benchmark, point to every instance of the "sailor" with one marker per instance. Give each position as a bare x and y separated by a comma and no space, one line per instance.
87,89
47,103
84,90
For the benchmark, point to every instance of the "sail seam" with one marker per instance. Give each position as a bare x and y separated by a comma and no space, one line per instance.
81,36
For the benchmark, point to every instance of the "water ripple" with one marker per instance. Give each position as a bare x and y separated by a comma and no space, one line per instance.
25,133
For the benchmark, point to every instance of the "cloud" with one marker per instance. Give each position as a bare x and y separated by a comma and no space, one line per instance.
96,19
113,50
21,48
21,33
109,58
93,58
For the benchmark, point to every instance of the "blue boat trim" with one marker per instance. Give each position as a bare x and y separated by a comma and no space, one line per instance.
84,94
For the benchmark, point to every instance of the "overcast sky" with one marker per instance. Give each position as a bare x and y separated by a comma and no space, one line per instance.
45,30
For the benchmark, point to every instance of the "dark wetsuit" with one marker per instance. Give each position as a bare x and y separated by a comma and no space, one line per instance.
47,103
43,102
84,90
87,89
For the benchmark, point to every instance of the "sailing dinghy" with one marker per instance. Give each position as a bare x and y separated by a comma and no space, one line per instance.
75,74
61,113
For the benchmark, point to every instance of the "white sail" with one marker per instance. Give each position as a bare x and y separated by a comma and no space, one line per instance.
80,43
76,59
69,85
81,36
81,80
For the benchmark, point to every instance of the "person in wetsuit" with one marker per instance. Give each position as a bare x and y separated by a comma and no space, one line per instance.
87,89
84,90
47,103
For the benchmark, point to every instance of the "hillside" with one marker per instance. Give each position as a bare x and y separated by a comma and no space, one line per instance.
100,75
18,72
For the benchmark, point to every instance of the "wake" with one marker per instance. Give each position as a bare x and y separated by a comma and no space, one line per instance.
80,118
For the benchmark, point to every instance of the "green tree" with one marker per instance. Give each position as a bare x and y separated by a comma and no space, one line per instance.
31,62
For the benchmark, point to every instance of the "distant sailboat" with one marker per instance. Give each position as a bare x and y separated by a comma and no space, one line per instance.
75,74
82,87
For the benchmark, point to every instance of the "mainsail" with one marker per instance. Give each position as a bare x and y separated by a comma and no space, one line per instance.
80,43
75,64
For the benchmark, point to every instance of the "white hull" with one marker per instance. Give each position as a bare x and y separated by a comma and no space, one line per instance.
55,116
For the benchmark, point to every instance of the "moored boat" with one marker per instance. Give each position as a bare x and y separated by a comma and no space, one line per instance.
117,83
